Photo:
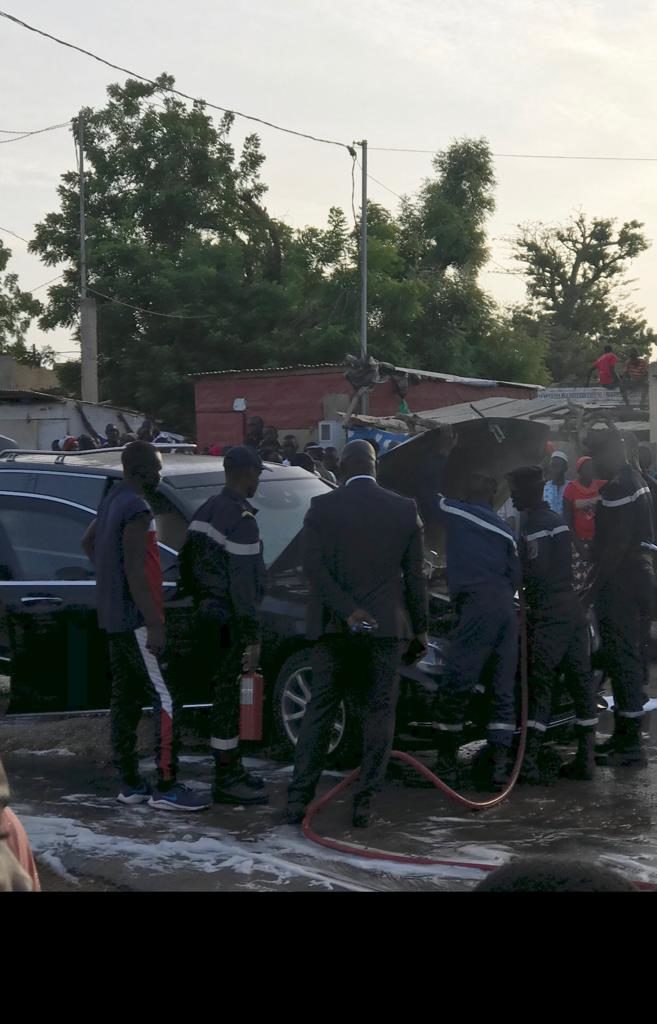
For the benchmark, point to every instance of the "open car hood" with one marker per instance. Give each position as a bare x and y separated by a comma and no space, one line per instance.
491,446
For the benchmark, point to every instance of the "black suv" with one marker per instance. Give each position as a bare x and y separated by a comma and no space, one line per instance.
49,640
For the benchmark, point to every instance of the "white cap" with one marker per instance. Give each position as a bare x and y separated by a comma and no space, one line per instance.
560,455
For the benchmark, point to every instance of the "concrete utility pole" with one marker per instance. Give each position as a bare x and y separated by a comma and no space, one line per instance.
363,270
88,323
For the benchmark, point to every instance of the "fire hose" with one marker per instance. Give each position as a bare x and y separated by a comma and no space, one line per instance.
354,850
472,805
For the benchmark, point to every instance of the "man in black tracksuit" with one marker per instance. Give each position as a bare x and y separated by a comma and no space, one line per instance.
620,586
557,631
221,565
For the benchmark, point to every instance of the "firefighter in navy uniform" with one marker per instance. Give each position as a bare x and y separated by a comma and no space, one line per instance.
221,566
620,587
558,636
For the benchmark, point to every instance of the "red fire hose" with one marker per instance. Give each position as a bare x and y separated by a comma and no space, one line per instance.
472,805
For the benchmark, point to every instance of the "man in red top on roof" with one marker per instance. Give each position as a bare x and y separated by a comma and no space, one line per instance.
606,367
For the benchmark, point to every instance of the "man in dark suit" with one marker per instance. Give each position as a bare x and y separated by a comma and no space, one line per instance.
363,555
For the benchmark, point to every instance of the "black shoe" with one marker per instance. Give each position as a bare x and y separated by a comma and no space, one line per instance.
627,750
530,774
362,814
582,767
231,788
295,814
447,745
606,746
500,764
250,780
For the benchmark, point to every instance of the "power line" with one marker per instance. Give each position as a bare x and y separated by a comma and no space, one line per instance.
377,182
526,156
19,237
152,312
27,135
176,92
45,284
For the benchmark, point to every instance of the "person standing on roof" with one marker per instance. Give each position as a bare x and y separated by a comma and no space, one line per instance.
556,624
122,544
620,586
483,574
555,486
606,366
222,567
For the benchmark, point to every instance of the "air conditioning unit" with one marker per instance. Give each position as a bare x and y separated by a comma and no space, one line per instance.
330,434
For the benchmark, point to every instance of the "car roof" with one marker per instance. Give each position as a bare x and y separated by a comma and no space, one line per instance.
175,465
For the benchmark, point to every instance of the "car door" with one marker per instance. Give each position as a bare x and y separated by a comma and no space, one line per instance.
58,658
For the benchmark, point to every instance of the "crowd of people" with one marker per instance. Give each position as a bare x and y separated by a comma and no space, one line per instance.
112,438
633,379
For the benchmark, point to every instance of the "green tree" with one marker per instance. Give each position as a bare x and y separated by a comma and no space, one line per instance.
17,311
576,277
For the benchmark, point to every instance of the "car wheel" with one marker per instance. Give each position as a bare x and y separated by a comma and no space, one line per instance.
292,693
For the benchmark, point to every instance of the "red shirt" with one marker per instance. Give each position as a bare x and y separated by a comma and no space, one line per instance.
605,366
584,501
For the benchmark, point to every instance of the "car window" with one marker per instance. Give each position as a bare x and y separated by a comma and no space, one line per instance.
82,489
282,505
45,538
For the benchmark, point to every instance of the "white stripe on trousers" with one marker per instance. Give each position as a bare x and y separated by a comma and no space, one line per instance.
154,672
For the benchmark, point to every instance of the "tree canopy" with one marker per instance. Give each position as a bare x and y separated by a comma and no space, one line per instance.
17,311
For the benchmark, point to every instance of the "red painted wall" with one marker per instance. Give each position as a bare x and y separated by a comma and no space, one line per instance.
295,401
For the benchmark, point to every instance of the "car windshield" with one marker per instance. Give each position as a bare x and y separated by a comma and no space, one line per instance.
282,505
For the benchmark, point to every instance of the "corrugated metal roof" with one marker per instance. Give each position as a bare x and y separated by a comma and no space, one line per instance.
447,378
18,394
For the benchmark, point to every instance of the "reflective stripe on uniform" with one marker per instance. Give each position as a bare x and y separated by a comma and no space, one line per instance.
535,725
631,714
480,688
444,727
224,744
586,723
477,521
233,548
500,727
626,501
547,533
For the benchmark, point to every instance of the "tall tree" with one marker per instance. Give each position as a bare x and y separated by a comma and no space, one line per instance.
576,278
17,311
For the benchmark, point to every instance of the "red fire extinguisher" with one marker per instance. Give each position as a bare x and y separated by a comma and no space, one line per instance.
252,692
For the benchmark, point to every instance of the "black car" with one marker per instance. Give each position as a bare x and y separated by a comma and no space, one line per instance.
49,640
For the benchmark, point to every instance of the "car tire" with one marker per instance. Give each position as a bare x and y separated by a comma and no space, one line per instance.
292,692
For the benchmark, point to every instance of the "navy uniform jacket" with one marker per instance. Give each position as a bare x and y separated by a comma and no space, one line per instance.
624,523
363,548
547,561
480,548
221,562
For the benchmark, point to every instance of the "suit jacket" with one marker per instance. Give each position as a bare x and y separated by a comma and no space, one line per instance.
363,548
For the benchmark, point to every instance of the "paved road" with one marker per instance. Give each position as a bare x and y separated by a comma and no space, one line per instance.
86,841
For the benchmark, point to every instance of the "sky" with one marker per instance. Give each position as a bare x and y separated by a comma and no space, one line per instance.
568,77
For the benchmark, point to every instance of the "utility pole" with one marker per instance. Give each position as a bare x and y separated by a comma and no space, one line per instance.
88,324
363,270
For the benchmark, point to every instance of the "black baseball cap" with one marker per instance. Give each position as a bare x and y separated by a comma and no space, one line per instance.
243,457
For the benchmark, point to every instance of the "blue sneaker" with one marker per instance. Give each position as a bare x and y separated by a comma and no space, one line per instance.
134,794
179,798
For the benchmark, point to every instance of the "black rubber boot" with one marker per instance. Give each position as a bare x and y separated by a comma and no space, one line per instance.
628,748
609,745
362,813
582,767
447,745
500,765
531,769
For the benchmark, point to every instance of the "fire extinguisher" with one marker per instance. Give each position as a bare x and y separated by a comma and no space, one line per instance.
252,693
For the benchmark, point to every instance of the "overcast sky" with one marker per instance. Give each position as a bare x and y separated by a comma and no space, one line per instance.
572,77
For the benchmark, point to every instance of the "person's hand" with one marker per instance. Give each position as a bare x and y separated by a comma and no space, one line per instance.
156,639
251,658
357,618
